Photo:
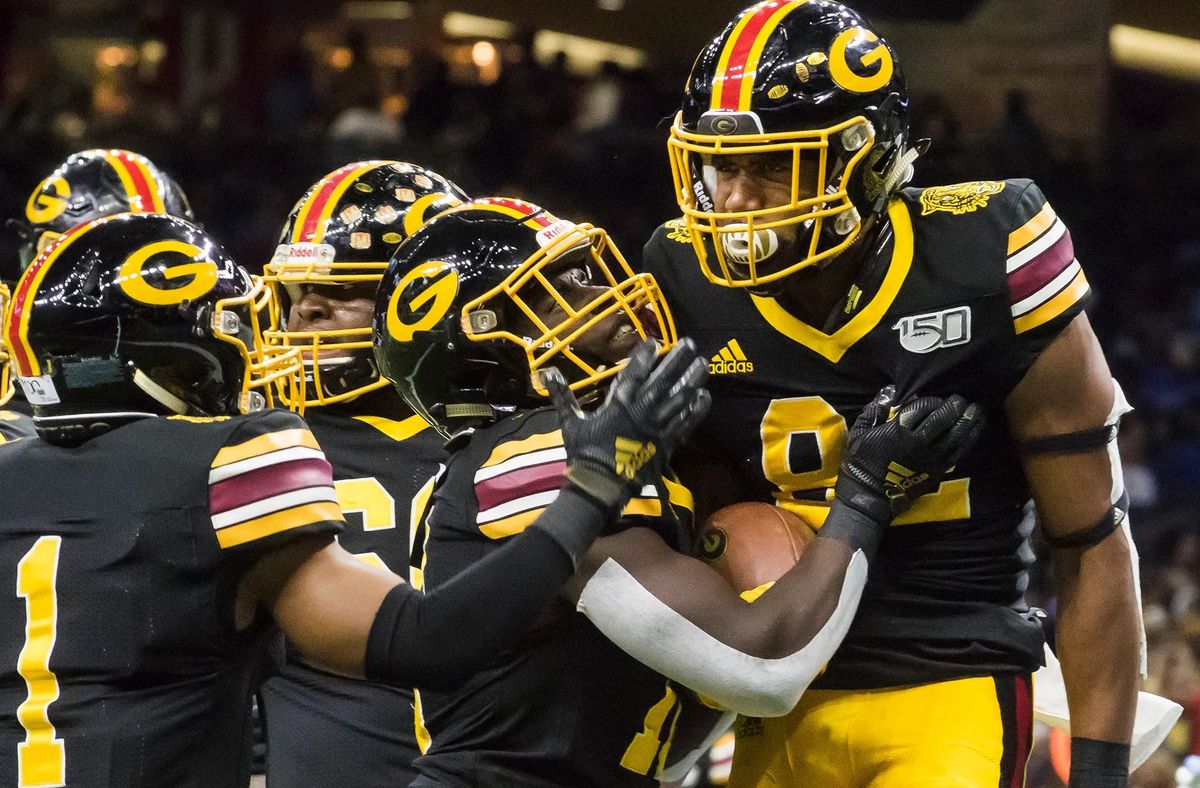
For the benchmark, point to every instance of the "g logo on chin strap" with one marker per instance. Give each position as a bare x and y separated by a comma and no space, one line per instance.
134,281
844,75
430,287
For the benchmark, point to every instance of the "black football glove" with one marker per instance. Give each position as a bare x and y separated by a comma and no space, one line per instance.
625,443
889,463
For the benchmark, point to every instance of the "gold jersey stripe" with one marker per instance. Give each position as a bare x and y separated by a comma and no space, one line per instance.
1029,232
265,444
277,522
506,451
396,430
511,525
1055,306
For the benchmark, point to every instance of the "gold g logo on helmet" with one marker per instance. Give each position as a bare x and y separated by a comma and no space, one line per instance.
48,200
421,299
166,273
847,77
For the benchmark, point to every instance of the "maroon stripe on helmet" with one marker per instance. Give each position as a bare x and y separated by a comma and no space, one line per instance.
735,68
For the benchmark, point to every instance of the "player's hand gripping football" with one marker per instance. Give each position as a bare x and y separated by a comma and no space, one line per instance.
889,463
625,443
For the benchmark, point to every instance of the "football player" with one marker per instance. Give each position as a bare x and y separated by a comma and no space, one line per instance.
87,185
157,536
325,730
90,184
811,277
486,311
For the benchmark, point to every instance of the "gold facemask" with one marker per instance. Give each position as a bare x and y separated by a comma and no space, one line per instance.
636,296
736,248
274,375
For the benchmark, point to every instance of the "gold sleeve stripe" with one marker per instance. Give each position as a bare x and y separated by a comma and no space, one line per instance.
510,526
505,451
296,517
1069,295
396,430
1029,232
265,444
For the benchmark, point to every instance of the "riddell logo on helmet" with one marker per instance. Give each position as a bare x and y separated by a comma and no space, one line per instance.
730,360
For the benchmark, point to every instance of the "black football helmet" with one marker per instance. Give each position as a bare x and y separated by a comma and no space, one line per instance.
810,88
144,313
91,184
456,328
342,233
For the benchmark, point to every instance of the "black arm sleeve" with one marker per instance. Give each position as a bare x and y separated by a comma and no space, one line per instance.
847,524
417,640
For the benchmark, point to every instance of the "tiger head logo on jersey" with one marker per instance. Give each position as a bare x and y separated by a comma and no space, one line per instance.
91,184
791,137
334,248
488,294
143,312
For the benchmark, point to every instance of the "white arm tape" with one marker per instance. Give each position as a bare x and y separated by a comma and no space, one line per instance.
662,639
1120,407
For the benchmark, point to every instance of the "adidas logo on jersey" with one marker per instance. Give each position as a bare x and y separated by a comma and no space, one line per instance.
730,360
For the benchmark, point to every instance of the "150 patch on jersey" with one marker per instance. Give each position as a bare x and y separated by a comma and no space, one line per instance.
933,330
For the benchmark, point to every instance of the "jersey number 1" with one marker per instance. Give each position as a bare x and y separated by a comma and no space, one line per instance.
41,758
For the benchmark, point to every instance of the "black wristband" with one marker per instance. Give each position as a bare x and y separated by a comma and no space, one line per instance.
598,484
1098,764
847,524
574,519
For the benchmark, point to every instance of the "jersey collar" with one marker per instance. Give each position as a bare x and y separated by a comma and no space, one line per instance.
834,346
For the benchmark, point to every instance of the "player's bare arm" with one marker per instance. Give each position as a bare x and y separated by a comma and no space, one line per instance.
677,615
1069,391
362,621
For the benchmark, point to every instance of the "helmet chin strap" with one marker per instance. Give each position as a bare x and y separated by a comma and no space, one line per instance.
158,393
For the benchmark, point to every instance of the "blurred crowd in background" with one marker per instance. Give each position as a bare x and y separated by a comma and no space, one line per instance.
594,148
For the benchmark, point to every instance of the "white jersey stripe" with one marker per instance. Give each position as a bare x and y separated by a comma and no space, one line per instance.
273,504
1051,237
516,506
522,461
261,461
1049,291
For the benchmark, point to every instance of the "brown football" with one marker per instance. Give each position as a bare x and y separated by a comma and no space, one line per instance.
750,544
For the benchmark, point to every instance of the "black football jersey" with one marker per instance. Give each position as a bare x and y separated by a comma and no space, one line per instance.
566,707
14,425
971,283
120,660
322,729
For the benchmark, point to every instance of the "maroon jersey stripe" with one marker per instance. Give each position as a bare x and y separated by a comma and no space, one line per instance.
1041,270
265,482
519,483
